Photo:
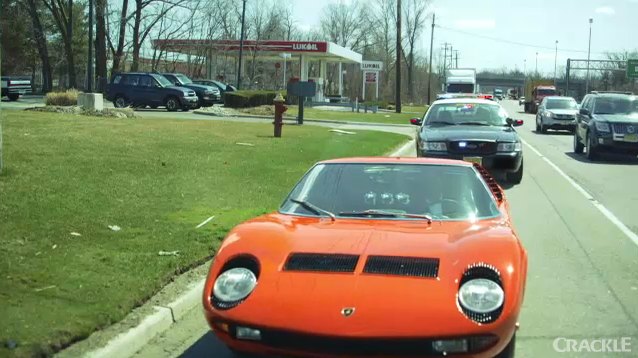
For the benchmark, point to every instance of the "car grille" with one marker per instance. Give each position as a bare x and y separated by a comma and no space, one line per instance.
625,128
472,147
347,346
321,262
402,266
564,116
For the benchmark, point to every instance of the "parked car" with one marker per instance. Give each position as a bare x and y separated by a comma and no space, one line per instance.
556,113
15,86
208,95
139,89
391,257
475,130
607,122
223,87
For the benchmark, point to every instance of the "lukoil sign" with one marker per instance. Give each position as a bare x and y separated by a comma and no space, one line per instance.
305,47
371,65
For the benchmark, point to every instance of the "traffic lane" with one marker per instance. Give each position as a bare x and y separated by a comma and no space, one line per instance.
581,280
611,180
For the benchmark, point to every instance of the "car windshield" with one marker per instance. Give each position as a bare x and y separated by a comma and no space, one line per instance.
442,192
466,113
567,103
162,80
183,79
619,105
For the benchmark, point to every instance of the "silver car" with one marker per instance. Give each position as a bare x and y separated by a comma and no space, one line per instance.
557,113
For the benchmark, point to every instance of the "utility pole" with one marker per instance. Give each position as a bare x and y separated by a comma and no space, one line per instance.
588,56
398,61
241,43
430,64
69,31
456,55
89,62
555,63
524,68
536,70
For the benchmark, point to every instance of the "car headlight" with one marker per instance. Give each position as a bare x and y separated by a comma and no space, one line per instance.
549,114
602,126
481,295
234,284
435,146
509,147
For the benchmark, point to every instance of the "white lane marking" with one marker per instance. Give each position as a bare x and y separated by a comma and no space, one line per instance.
608,214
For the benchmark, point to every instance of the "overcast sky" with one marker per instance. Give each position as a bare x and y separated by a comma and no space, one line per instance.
481,30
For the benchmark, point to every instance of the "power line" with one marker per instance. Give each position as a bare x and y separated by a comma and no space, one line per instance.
512,42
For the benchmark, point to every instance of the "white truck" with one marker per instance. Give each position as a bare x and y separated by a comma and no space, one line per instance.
459,81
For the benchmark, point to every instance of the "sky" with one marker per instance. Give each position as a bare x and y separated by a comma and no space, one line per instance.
483,31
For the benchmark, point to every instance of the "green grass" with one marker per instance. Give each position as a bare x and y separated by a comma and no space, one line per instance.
156,179
379,117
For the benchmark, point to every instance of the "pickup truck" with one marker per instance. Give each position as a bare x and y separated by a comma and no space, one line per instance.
15,86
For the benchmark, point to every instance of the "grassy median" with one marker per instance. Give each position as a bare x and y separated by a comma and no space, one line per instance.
65,273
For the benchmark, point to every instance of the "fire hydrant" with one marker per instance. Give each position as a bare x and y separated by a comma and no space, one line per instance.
280,108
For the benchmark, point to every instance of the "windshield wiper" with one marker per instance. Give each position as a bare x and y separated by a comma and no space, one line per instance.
381,213
314,209
443,122
475,123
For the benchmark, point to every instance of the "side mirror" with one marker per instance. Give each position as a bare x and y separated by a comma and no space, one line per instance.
514,122
584,111
416,121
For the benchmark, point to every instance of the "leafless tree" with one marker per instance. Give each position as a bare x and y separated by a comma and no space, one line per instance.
41,43
415,15
61,12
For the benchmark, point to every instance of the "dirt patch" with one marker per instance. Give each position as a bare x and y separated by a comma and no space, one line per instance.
77,110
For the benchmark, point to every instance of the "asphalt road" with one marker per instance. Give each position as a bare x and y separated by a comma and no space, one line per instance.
582,279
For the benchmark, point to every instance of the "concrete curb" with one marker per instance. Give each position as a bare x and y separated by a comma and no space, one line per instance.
130,342
204,113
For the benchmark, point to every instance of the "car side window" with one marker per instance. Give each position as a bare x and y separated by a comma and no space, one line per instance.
146,81
117,79
586,103
132,80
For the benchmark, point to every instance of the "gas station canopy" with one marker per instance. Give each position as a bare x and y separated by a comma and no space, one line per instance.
315,50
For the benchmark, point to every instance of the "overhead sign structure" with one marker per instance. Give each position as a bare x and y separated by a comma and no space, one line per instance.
371,71
632,68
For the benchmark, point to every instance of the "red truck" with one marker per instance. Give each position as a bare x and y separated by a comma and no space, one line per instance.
535,91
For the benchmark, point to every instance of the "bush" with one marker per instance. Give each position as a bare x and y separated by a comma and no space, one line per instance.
243,99
67,98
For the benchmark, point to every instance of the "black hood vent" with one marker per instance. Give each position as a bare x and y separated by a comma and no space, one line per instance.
321,262
402,266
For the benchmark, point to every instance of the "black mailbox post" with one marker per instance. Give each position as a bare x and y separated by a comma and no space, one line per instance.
302,89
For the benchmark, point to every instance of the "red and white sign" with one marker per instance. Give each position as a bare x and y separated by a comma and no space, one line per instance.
371,77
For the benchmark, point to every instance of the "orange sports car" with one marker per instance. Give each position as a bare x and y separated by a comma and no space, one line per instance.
382,257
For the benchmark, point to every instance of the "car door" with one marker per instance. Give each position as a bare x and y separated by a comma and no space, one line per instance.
148,92
131,88
583,120
541,110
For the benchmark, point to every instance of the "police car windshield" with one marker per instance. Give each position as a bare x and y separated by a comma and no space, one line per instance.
461,113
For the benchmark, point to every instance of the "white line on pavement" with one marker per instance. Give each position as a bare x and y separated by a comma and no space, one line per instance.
608,214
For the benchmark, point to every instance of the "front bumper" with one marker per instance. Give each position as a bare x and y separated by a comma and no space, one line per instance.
553,123
209,100
501,162
616,144
19,90
189,101
278,343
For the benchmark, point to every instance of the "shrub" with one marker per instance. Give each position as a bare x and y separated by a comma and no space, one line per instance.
243,99
66,98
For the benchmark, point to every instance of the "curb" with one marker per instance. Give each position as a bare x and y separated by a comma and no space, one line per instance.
204,113
130,342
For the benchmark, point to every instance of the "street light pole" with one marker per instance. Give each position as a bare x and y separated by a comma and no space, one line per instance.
555,62
241,43
536,70
430,64
591,20
524,67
